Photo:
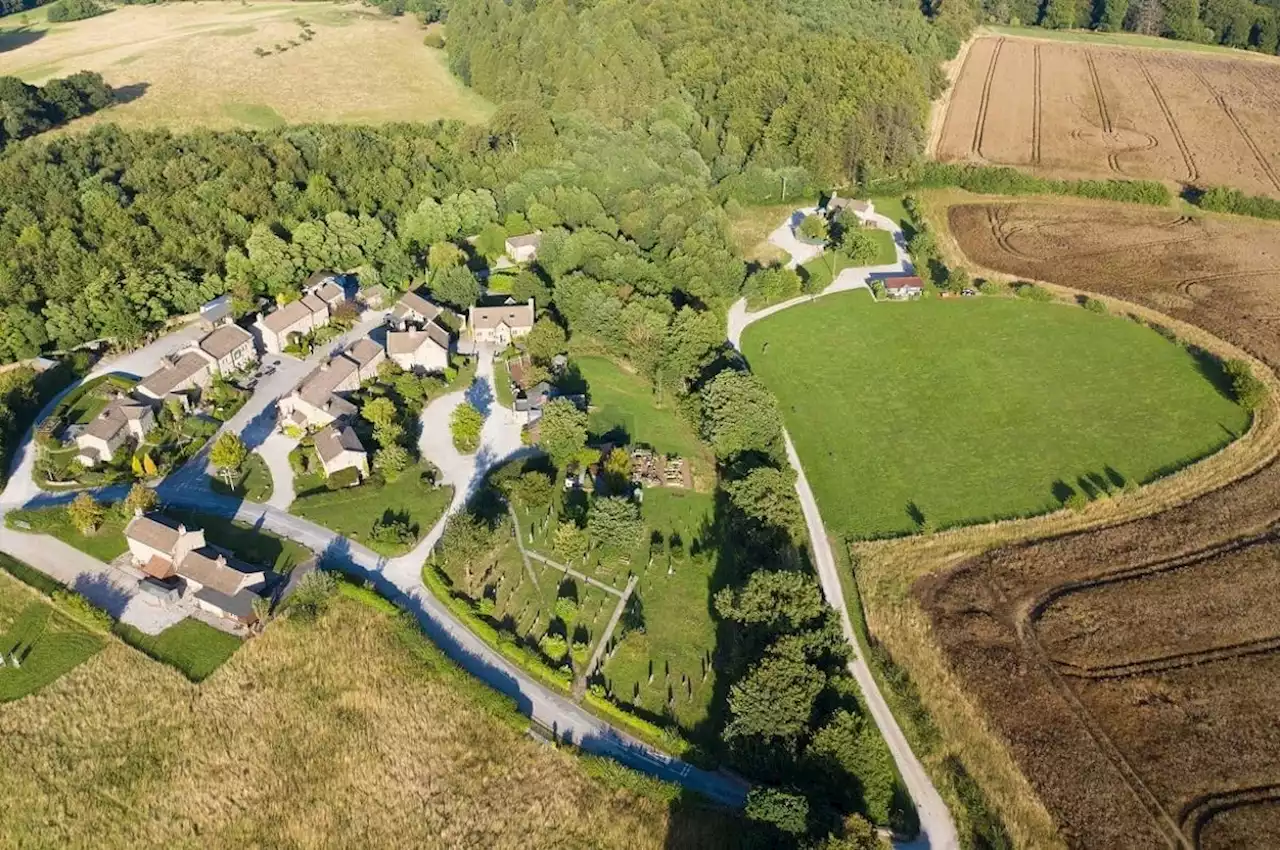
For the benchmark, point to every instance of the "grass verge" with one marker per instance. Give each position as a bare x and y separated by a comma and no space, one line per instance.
352,512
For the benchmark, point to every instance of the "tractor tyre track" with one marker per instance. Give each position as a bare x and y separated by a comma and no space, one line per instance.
1193,173
1194,817
1258,155
1112,162
1036,108
980,125
1165,663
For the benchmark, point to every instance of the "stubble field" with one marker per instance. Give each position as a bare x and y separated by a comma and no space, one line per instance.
189,65
1146,655
1082,110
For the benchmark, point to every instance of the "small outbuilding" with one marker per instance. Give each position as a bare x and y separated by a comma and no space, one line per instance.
905,286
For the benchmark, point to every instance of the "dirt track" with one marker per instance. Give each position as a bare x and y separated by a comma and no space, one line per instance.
1134,671
1097,111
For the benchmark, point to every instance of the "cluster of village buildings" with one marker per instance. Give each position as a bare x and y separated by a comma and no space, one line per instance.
417,339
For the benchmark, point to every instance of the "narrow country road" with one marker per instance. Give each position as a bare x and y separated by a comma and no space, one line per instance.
937,829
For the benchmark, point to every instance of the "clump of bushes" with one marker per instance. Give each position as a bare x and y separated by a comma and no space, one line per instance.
1249,392
1032,292
73,10
313,594
434,40
1234,201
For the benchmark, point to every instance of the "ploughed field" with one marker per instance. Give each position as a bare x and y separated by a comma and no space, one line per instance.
1134,670
1093,111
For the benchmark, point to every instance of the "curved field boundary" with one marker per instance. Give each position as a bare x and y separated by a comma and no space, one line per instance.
1195,816
1240,128
890,568
980,124
1035,106
1193,172
1175,661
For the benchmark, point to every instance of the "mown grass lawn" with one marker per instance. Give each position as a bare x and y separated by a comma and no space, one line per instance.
253,483
822,270
47,642
938,413
624,400
502,385
104,544
352,511
194,648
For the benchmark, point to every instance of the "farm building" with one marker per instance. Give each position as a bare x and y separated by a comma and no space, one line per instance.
421,351
229,349
905,286
339,448
216,312
836,203
412,310
177,563
523,249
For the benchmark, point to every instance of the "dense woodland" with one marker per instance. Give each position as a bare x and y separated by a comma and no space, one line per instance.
27,110
841,89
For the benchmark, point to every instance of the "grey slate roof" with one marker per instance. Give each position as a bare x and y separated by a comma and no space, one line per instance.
224,340
333,440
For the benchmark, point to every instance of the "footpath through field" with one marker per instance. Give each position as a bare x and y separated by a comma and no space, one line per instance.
400,579
937,829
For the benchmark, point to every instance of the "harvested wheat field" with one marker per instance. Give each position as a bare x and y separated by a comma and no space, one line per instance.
1134,671
1081,110
352,732
188,65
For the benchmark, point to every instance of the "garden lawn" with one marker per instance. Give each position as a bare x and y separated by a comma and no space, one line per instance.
250,544
48,642
502,385
891,206
194,648
352,511
254,482
104,544
625,400
936,413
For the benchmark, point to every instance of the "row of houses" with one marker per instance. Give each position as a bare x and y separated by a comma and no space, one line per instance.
181,376
417,340
225,349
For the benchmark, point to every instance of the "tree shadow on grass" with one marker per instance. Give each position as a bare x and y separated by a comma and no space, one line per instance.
13,39
129,93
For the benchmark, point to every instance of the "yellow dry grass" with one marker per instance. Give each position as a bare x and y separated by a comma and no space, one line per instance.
326,735
887,570
193,65
749,228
